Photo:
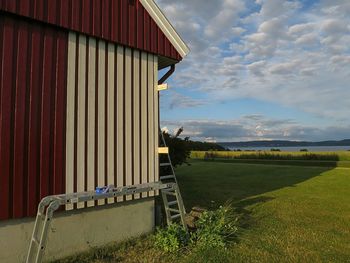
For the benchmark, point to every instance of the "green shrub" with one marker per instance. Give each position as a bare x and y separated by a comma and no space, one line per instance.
216,228
172,238
275,150
178,150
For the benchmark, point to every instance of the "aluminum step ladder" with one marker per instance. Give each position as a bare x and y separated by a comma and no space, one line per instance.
173,204
50,204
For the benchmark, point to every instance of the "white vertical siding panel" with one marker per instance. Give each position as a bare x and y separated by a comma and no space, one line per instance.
70,115
110,119
144,120
156,119
81,117
128,119
101,115
91,118
150,110
136,119
120,118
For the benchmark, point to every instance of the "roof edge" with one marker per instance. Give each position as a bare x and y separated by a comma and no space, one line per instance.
167,28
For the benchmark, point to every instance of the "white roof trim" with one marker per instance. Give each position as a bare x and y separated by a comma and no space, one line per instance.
164,24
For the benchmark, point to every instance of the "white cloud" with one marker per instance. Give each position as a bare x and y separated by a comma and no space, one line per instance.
309,39
275,8
273,28
256,127
301,28
283,54
334,26
181,101
285,68
308,71
224,19
237,31
231,66
259,45
257,68
341,60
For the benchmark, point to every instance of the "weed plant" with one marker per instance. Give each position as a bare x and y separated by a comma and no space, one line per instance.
214,229
171,238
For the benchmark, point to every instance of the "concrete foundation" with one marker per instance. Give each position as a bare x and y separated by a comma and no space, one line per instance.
79,230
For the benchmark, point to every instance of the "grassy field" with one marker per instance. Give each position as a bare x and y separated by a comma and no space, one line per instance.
289,214
269,155
283,162
292,214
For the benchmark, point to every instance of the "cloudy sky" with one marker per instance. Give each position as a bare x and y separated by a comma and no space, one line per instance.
261,69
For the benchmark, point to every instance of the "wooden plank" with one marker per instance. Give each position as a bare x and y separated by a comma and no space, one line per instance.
101,116
136,119
19,151
7,91
144,131
45,123
156,119
91,157
163,150
120,118
110,118
70,115
81,117
150,110
160,87
34,117
128,119
59,114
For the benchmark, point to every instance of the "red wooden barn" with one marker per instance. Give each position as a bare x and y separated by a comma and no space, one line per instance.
78,106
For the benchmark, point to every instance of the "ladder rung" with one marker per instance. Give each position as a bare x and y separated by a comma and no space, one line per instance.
167,192
41,216
173,210
165,164
167,177
172,203
175,216
36,241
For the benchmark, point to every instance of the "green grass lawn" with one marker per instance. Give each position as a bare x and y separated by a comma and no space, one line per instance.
289,214
292,214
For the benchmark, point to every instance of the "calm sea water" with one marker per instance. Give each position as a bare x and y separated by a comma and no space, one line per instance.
297,149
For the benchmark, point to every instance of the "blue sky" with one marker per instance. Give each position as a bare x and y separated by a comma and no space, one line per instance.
260,69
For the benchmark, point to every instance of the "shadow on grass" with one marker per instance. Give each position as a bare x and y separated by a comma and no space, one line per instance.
245,214
210,184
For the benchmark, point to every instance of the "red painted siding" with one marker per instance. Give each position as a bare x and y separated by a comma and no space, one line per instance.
33,69
113,20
